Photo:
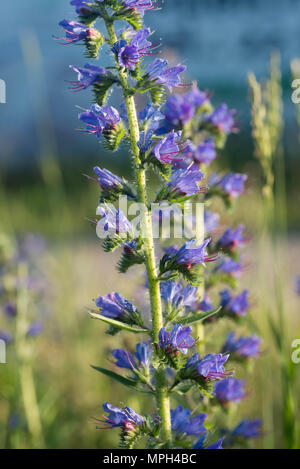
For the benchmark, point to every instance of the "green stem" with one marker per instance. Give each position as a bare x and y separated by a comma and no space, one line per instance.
163,402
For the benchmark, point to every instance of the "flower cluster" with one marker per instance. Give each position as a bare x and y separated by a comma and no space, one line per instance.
177,135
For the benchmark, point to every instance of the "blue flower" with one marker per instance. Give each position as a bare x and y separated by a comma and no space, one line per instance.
211,221
229,390
129,54
35,329
190,254
233,184
184,183
143,353
178,339
75,31
149,119
6,337
107,180
201,443
176,296
205,305
232,238
230,267
180,109
159,72
113,305
81,6
244,347
126,418
298,285
167,151
99,119
237,306
125,359
88,75
248,429
10,310
211,367
183,422
222,119
140,5
112,222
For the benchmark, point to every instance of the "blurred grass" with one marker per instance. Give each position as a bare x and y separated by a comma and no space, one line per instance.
77,270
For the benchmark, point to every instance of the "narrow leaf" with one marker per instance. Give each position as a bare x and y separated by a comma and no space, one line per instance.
199,317
119,324
111,374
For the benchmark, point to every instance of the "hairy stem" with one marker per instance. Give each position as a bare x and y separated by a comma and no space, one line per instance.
163,401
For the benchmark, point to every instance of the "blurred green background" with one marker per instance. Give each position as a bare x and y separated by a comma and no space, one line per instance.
42,190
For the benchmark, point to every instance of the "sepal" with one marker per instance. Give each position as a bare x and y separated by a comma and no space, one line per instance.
113,137
94,42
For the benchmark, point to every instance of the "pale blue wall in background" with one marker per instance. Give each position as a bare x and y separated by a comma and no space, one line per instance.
219,41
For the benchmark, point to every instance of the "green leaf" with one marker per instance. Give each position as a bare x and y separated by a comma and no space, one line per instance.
199,317
118,324
130,383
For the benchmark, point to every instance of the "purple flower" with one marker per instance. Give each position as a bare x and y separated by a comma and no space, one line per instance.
167,150
231,238
233,184
211,221
237,306
298,285
222,119
111,184
140,5
229,390
114,306
107,180
81,6
205,152
179,339
175,296
127,419
88,75
248,429
178,110
183,422
129,54
149,119
201,443
125,359
243,347
112,222
99,119
6,337
10,310
158,72
184,183
211,367
35,329
205,305
143,353
75,31
190,254
230,267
